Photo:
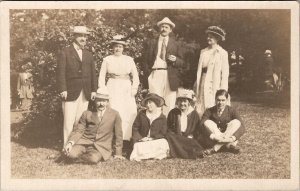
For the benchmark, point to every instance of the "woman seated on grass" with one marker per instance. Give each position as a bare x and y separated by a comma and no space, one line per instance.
183,121
149,130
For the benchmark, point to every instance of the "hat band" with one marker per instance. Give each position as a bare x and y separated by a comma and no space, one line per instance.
214,32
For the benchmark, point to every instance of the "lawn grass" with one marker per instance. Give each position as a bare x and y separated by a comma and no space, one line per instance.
265,154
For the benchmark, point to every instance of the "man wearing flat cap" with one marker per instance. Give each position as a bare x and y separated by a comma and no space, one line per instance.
162,61
76,79
92,139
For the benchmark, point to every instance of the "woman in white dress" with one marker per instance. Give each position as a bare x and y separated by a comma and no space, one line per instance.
122,84
213,70
149,130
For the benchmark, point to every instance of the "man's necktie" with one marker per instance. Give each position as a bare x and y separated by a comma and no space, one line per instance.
163,49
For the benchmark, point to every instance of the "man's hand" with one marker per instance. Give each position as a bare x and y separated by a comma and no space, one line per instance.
64,94
172,58
68,148
93,96
119,157
146,139
190,136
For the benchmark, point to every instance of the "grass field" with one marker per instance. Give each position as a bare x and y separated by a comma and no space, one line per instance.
265,152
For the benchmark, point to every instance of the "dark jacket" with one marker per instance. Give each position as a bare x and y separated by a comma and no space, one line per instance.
90,130
73,75
193,122
228,114
149,56
141,126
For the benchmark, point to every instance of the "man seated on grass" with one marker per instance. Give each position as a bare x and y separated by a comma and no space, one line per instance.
91,140
222,124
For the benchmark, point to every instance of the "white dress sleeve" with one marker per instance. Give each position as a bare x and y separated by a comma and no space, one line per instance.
225,72
135,75
102,74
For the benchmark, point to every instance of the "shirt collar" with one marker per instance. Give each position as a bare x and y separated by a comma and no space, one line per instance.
76,47
161,38
102,112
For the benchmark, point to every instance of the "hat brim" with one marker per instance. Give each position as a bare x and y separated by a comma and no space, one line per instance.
161,22
119,42
102,97
213,32
159,100
185,98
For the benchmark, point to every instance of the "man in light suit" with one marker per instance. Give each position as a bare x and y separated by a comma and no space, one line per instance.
76,79
92,139
162,61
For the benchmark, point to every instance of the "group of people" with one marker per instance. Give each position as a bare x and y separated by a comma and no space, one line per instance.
175,122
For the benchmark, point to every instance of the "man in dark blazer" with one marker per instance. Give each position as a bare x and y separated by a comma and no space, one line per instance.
162,60
76,79
222,125
92,139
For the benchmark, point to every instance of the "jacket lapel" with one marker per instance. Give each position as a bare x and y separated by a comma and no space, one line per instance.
170,45
95,117
155,48
74,52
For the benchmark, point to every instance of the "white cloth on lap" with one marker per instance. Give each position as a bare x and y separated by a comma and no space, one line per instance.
155,149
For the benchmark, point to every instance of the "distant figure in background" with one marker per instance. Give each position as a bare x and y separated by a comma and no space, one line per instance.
270,76
25,87
213,70
222,125
76,79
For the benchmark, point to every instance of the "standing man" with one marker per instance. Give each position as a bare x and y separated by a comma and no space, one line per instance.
92,139
162,61
76,78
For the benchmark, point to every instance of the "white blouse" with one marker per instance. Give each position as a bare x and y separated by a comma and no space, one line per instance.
119,65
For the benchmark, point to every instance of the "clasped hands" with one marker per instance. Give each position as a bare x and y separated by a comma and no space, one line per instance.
146,139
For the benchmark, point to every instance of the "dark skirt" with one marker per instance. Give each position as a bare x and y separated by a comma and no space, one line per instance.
183,147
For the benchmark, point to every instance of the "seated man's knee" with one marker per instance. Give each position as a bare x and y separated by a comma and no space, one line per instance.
209,123
93,158
234,123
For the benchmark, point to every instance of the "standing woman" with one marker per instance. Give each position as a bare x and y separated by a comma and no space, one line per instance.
213,70
122,84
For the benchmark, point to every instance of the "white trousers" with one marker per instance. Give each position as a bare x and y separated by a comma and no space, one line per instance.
72,111
232,127
159,84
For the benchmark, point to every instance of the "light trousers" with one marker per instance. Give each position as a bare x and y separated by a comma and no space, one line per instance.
232,127
159,84
72,111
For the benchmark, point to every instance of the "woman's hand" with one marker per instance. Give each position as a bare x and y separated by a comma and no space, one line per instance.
146,139
119,157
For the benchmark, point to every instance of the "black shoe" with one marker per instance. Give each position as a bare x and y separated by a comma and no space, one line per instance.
234,149
209,152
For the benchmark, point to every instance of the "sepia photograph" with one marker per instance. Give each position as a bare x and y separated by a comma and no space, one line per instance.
150,95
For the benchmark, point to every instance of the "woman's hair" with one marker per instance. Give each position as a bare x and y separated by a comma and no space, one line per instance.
217,37
190,101
154,101
221,92
113,44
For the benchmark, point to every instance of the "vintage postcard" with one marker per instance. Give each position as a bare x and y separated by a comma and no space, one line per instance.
134,95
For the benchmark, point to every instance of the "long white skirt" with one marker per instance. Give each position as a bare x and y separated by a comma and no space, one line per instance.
155,149
122,101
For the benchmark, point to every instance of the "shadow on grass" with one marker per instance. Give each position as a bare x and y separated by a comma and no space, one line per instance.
41,132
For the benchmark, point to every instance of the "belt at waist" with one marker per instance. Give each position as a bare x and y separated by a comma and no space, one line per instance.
116,76
159,69
204,70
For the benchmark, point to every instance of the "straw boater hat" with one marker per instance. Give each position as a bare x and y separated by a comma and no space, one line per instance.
166,20
80,30
102,93
268,52
119,39
216,31
185,93
159,101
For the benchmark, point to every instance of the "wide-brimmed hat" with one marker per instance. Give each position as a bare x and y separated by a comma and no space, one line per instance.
185,93
268,52
217,31
102,93
159,101
119,39
80,30
166,20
